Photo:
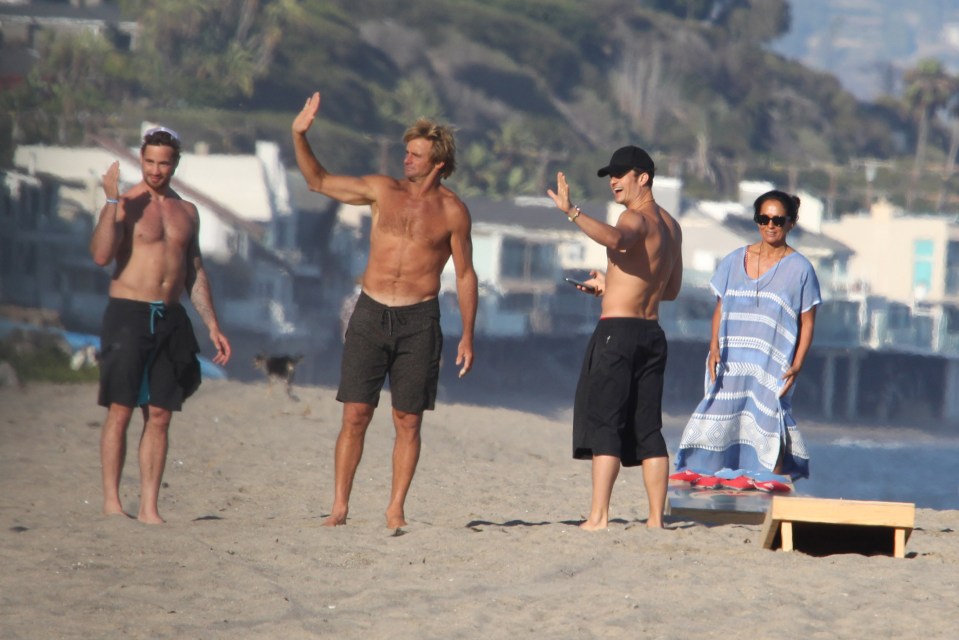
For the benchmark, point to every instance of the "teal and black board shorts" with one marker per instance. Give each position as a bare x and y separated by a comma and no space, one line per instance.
148,355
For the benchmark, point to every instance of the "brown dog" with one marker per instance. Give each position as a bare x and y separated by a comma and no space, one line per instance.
278,368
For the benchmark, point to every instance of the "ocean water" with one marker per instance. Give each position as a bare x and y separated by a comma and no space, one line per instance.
891,468
926,474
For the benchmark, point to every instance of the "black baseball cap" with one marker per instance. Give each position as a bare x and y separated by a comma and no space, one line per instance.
626,158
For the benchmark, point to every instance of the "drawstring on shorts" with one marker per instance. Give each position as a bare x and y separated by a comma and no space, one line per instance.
156,310
390,317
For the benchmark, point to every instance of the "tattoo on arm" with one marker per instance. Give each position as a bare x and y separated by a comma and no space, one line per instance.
202,299
199,287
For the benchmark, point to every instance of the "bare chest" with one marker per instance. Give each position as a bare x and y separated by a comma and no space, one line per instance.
412,221
158,224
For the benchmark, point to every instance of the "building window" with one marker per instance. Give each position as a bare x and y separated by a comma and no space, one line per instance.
542,261
951,317
922,266
513,259
527,260
952,267
574,252
517,302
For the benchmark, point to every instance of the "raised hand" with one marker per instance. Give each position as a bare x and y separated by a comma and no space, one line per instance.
304,119
561,195
111,181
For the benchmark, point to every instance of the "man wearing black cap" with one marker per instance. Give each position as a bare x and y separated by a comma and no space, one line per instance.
617,417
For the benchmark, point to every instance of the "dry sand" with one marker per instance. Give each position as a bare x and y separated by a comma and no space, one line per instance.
492,549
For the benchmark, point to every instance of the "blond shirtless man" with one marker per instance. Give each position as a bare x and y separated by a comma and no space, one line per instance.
617,416
418,224
147,345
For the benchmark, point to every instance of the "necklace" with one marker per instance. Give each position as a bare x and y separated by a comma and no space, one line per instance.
759,255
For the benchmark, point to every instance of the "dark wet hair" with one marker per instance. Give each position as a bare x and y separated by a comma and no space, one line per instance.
162,138
790,204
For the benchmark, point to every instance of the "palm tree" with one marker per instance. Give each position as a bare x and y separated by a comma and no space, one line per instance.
952,112
220,48
928,89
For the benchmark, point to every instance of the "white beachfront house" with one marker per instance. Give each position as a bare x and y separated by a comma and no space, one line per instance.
522,250
909,259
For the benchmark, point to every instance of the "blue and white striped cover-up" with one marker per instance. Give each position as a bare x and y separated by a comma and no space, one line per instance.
741,423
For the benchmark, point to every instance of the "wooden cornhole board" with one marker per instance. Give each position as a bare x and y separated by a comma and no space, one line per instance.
822,526
716,506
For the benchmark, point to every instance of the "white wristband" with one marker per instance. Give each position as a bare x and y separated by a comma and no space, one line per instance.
112,201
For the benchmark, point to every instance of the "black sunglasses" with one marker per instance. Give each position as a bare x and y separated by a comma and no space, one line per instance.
762,220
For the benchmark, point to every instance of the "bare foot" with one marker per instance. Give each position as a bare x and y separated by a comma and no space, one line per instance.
594,526
334,520
651,524
395,521
114,508
151,518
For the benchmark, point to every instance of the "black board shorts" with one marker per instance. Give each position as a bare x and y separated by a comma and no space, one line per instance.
148,355
404,342
618,406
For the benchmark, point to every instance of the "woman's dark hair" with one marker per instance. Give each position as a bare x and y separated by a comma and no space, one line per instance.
789,203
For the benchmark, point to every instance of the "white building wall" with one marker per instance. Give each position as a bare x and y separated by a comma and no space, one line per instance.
486,256
668,192
884,245
749,190
237,182
811,212
218,241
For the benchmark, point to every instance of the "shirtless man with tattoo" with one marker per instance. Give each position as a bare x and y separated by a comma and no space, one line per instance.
148,351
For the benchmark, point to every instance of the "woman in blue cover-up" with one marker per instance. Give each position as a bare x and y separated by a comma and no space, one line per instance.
761,332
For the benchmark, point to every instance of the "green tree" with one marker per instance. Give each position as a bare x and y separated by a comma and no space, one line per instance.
688,9
952,114
928,89
74,87
207,52
413,97
754,21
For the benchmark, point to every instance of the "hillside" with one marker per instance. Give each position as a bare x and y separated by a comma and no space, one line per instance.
531,85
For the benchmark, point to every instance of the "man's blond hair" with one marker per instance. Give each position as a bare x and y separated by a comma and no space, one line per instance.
441,138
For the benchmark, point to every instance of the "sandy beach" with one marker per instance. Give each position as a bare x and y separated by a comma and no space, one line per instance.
491,550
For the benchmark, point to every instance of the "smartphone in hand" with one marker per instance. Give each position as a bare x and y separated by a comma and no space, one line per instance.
577,283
